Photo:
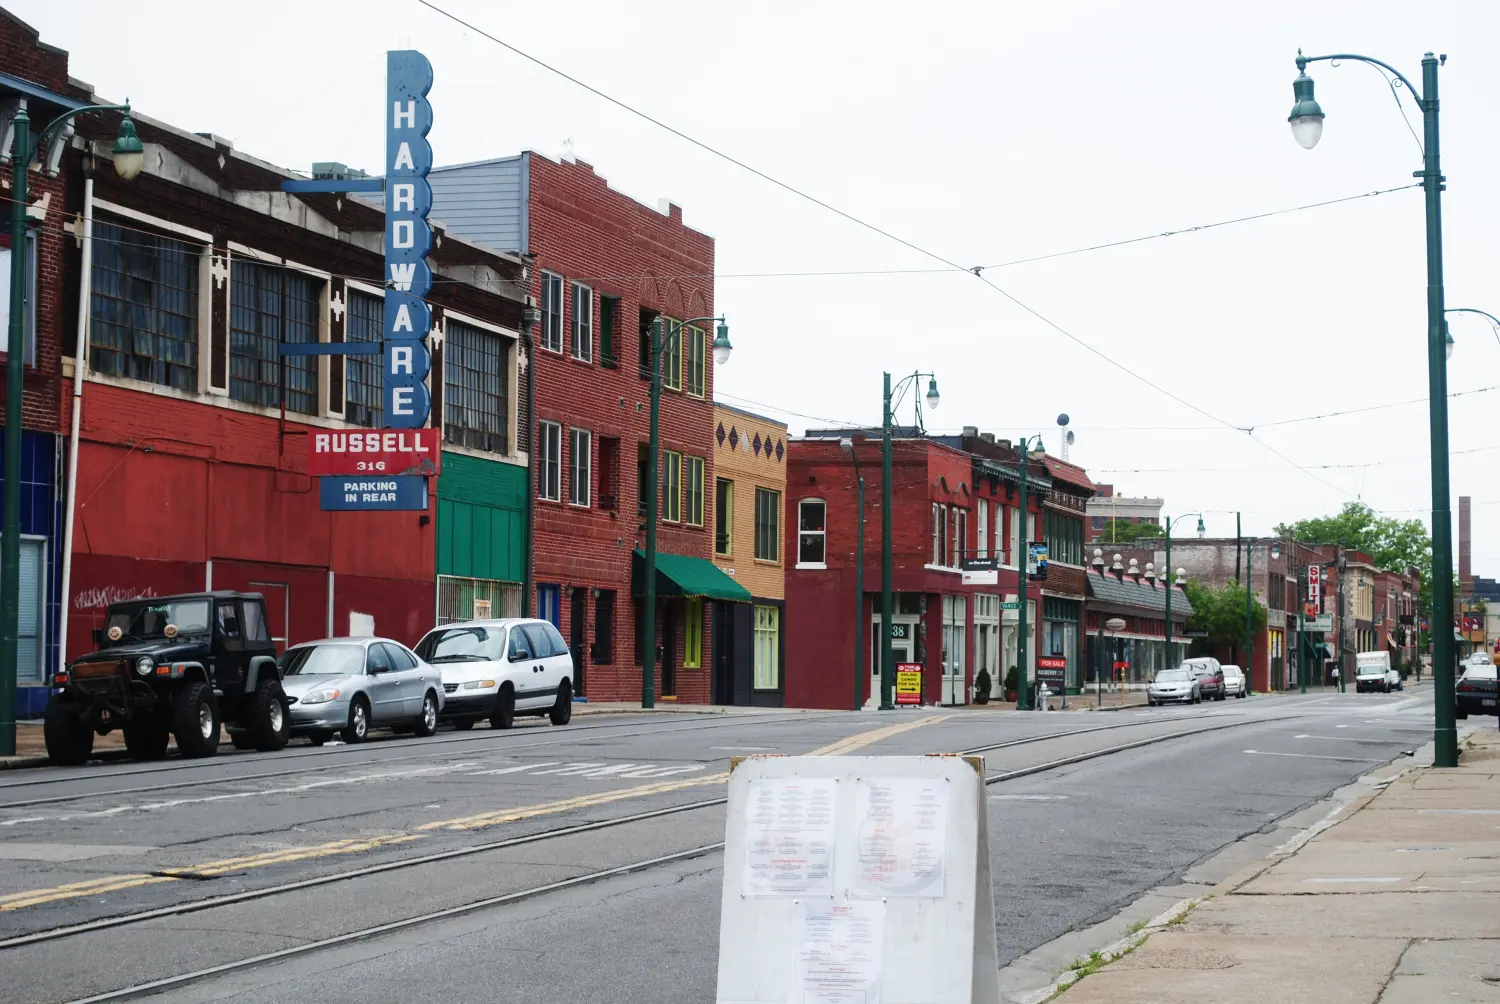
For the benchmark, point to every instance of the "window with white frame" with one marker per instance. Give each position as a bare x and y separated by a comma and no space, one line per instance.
580,466
549,462
812,533
960,521
552,312
767,648
982,539
1001,540
476,377
583,322
144,307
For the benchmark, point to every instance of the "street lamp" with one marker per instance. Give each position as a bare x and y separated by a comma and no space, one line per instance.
1025,453
1181,573
129,157
859,575
661,341
1307,126
891,402
1494,323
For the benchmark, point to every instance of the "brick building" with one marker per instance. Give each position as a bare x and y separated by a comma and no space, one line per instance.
749,485
192,459
1105,506
36,74
608,266
1137,595
952,498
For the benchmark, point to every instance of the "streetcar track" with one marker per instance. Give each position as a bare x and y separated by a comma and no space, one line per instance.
197,906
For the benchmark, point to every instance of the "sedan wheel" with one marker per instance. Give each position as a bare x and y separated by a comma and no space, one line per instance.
427,723
359,722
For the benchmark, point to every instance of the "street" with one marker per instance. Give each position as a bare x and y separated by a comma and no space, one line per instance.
267,877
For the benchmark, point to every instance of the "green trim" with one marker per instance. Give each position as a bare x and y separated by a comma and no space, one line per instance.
481,519
680,575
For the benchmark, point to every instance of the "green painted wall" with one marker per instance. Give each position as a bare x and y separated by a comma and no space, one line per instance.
481,519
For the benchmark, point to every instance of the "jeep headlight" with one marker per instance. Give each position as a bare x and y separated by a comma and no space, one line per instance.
144,665
320,697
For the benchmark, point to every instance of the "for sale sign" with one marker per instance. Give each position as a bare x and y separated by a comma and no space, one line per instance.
416,452
908,683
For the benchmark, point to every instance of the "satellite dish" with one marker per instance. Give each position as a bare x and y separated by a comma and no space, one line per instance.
1062,419
1070,437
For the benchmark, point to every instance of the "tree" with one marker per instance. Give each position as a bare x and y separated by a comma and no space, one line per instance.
1124,531
1219,612
1392,544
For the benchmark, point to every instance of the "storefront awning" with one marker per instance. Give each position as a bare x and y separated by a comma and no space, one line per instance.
680,575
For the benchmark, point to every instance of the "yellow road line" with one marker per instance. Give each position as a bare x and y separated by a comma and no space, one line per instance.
116,883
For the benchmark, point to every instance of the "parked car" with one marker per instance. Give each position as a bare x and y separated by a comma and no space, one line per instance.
1235,684
1210,675
1172,685
172,666
1373,671
1476,690
351,685
497,669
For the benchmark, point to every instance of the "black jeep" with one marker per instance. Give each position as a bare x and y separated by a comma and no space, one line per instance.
173,665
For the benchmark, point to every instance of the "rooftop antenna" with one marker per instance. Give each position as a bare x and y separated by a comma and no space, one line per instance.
1062,421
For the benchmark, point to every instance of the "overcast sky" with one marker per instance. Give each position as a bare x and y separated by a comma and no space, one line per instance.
984,133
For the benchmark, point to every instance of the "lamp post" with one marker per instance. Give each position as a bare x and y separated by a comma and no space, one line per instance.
1025,453
129,157
891,403
859,575
660,341
1306,121
1167,574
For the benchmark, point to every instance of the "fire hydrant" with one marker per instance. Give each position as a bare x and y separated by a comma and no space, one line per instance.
1042,696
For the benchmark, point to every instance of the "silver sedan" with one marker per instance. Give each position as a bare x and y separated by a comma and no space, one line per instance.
1172,685
351,685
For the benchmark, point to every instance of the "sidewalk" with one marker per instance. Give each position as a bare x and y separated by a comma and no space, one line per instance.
1393,900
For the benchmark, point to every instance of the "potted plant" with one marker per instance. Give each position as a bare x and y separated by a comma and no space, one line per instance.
982,687
1012,683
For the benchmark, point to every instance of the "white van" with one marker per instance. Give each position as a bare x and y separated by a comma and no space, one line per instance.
498,669
1373,672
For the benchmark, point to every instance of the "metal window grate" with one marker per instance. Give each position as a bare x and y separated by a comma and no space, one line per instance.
461,599
476,402
270,305
144,307
364,322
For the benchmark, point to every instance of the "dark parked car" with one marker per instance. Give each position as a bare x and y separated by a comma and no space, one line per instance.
1209,674
173,666
1475,693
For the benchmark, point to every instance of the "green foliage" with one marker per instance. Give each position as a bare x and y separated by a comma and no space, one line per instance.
1012,679
982,682
1391,543
1220,612
1124,531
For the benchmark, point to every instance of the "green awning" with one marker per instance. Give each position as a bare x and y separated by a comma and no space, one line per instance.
680,575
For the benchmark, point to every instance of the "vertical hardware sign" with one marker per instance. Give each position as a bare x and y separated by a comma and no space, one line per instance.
408,238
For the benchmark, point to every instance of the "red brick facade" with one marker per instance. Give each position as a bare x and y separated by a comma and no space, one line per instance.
586,232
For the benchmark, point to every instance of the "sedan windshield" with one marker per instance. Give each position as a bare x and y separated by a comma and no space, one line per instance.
324,660
1172,676
463,644
151,620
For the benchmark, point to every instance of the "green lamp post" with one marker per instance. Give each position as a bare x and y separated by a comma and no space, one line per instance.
1306,120
129,157
661,341
1168,578
891,402
1025,453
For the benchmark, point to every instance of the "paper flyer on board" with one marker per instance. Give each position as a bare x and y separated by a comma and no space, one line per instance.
902,837
789,844
838,948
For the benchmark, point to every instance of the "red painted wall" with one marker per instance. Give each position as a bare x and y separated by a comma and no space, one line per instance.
583,230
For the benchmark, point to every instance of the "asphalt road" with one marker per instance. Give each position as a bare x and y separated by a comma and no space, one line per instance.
500,814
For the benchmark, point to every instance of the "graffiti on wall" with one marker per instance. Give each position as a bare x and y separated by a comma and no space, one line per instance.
102,596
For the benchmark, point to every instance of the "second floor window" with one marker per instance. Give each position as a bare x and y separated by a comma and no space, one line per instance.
671,357
692,360
671,492
723,516
812,533
767,524
364,380
144,307
476,398
692,489
549,461
583,322
580,466
552,312
268,305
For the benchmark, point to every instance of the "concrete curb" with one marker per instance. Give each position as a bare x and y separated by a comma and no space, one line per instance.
1117,949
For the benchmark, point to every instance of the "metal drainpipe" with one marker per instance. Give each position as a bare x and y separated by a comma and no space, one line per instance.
85,292
527,584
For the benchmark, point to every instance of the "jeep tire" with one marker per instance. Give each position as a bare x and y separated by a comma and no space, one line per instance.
69,738
195,721
146,739
269,724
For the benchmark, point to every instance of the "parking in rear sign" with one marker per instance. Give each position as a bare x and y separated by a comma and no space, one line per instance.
373,494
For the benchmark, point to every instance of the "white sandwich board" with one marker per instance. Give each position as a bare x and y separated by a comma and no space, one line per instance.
857,880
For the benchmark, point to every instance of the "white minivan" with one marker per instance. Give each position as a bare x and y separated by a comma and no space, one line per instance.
498,669
1373,672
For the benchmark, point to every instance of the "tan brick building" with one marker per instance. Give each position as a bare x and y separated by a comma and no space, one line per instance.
748,509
